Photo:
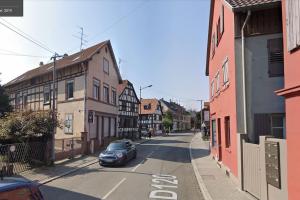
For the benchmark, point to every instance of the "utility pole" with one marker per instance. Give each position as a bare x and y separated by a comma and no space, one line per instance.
140,111
53,106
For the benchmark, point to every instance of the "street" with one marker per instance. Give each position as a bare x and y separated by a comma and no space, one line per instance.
162,170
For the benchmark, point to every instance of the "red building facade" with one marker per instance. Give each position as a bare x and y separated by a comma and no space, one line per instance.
291,92
220,67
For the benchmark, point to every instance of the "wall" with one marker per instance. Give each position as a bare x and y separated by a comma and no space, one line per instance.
227,95
74,106
101,108
292,71
260,88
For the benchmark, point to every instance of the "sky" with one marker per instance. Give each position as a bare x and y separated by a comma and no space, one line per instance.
159,42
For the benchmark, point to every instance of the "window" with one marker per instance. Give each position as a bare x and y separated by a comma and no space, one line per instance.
70,89
225,72
114,97
213,44
275,57
147,107
105,65
123,106
212,88
227,131
222,21
292,24
277,125
106,93
68,123
218,32
213,131
96,89
218,82
132,107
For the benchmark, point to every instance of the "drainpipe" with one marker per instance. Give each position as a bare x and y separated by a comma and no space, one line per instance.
244,72
84,66
244,103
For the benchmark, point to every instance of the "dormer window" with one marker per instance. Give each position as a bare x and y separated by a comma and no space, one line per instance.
147,107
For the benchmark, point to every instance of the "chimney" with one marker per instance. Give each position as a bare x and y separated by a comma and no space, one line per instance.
41,63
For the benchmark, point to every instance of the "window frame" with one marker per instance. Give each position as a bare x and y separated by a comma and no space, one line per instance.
212,88
96,88
105,70
45,92
217,77
114,96
225,73
106,97
227,132
67,91
72,124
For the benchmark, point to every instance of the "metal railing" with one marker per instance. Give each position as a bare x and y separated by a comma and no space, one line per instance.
18,157
67,147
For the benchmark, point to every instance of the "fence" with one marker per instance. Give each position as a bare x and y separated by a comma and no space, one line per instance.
67,147
19,157
265,168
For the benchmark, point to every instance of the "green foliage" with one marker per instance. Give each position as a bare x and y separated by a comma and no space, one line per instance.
21,126
168,120
4,102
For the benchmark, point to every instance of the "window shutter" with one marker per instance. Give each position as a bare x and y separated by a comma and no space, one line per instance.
222,20
262,125
293,23
275,57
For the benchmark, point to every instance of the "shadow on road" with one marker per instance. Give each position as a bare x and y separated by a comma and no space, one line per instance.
50,193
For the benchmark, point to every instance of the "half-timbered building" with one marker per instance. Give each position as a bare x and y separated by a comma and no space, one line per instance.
128,110
85,93
151,115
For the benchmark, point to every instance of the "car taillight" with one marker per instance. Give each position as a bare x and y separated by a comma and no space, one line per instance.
36,194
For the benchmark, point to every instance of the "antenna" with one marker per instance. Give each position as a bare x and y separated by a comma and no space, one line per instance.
82,36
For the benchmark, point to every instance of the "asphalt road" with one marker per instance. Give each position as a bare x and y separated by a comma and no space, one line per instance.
162,170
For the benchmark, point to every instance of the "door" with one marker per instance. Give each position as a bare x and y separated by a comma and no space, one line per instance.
219,139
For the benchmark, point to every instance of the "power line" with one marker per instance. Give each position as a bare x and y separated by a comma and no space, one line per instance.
24,55
27,37
120,19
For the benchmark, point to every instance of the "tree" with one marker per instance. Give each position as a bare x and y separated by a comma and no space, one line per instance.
4,101
23,126
168,120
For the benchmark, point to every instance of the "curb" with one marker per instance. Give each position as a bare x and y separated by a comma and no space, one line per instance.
45,181
200,181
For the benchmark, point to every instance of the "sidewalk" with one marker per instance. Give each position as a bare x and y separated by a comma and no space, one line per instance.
61,168
213,182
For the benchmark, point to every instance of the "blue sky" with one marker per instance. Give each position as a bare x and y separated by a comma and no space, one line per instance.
160,42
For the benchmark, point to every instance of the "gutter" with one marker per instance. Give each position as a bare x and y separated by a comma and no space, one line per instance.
244,72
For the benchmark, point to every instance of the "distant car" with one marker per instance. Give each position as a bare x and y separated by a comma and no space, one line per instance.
118,152
19,189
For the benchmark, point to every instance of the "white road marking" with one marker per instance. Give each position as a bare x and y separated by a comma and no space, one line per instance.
114,188
135,168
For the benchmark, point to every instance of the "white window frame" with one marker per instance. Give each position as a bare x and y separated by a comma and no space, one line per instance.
217,82
69,121
225,72
212,88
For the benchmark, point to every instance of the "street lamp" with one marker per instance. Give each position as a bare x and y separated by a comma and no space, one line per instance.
140,110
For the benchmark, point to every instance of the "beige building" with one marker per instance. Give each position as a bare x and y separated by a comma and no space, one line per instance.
86,92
